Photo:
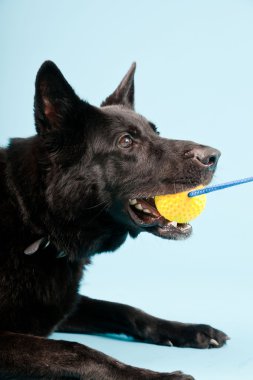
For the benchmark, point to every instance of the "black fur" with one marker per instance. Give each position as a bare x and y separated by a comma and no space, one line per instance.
64,196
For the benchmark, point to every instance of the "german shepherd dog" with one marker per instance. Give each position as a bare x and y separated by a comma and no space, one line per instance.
77,188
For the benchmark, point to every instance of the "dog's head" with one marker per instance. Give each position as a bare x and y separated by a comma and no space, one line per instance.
111,160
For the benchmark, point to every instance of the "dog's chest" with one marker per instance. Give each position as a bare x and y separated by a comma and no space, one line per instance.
37,293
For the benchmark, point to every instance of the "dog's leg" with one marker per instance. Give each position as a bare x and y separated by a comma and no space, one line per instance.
27,357
94,316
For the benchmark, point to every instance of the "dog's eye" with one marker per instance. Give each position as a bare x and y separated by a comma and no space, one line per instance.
125,141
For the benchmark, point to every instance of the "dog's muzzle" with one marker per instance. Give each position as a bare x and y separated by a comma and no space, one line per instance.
145,215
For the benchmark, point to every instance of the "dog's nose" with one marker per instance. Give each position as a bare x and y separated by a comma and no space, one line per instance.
205,156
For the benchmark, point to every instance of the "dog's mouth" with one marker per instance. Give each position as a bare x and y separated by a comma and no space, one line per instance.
144,214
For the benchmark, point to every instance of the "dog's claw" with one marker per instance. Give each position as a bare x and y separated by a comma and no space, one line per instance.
214,342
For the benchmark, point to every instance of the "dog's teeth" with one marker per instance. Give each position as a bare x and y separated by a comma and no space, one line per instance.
186,227
138,206
174,224
147,211
132,202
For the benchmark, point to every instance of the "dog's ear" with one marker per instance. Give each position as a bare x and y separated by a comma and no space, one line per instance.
55,101
124,93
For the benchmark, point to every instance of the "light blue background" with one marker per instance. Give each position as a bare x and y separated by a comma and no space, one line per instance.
195,81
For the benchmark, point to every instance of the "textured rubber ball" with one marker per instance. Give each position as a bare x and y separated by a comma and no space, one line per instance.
180,207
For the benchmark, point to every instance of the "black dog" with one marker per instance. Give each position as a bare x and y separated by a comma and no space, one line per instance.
79,187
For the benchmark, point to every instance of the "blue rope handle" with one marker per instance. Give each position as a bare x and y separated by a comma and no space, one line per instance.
221,186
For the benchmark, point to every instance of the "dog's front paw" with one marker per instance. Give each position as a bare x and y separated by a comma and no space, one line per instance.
178,375
183,335
149,375
199,336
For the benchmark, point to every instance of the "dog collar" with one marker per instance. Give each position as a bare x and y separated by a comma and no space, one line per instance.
41,244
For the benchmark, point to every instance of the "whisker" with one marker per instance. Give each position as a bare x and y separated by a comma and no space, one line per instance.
98,214
97,205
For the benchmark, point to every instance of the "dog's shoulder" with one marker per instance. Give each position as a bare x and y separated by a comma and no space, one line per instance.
2,158
3,174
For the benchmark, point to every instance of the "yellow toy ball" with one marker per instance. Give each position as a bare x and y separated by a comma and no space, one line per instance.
179,207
